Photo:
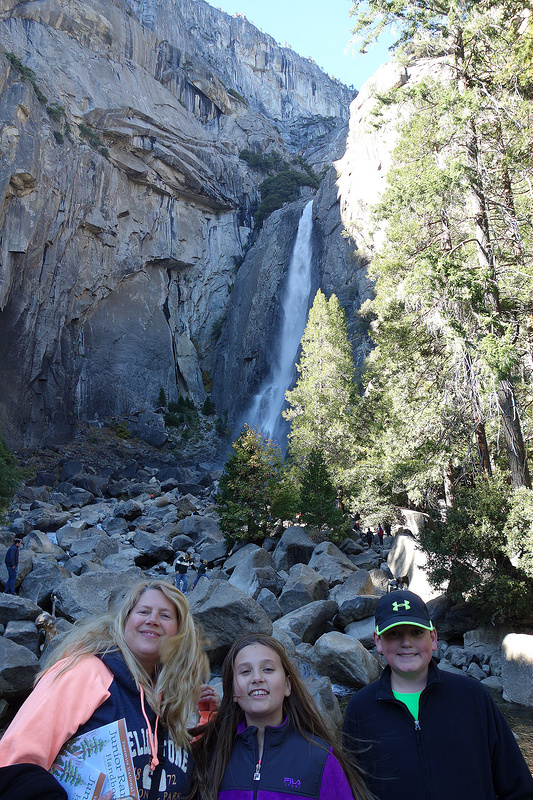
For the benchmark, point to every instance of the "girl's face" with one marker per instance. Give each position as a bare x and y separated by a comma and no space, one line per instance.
260,685
151,621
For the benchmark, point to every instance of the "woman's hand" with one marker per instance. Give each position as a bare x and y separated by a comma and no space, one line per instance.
107,796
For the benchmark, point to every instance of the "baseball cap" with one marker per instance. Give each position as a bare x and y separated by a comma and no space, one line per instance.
401,608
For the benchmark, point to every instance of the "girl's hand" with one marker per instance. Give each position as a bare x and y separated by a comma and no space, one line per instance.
107,796
208,703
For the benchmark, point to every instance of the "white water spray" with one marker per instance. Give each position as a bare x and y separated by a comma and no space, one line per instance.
266,406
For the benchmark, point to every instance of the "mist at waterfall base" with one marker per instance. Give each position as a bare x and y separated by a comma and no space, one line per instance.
264,411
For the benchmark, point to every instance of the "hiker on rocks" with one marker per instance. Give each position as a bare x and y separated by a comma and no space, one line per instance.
146,664
12,564
420,732
181,565
368,537
268,737
381,534
201,572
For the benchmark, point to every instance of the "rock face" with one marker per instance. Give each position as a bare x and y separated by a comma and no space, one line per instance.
124,205
129,260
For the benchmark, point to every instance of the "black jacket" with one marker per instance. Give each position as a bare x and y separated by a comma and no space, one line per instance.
460,749
12,556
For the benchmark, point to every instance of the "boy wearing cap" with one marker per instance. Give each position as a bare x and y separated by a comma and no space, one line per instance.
420,733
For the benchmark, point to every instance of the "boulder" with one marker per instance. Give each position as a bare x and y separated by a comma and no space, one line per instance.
331,563
13,607
406,558
446,666
351,547
18,669
182,542
238,554
128,509
306,624
367,560
24,633
517,669
38,585
96,546
48,520
123,560
152,549
213,552
225,613
356,609
200,529
89,594
451,621
380,580
269,603
475,671
358,583
294,547
328,706
39,543
362,631
344,660
255,571
69,533
303,586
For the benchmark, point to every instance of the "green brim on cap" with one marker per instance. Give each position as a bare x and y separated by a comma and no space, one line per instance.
405,622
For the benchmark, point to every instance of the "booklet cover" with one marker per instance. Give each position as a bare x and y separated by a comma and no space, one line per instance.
91,764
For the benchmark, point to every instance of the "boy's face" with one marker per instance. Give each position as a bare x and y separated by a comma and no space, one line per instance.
407,649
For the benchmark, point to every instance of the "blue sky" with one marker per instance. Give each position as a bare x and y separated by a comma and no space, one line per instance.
317,28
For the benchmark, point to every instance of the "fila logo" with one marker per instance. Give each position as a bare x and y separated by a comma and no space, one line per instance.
396,606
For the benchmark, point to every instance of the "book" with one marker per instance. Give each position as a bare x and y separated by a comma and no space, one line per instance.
99,760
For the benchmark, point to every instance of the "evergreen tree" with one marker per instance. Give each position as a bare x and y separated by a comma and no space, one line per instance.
451,371
318,496
470,553
252,488
452,282
321,403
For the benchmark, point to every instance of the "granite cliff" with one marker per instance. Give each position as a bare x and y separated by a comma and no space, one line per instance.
127,239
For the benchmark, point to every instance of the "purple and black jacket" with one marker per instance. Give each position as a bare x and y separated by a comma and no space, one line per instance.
291,768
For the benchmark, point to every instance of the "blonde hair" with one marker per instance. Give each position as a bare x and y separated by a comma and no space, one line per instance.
181,670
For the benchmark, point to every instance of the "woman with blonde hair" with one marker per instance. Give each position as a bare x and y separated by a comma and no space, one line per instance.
268,737
145,664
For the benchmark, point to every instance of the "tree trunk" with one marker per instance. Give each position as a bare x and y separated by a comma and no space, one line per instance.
512,431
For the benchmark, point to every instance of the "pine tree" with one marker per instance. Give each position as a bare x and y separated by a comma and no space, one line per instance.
321,403
453,268
253,487
318,496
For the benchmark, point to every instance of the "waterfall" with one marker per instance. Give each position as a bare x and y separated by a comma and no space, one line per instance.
265,409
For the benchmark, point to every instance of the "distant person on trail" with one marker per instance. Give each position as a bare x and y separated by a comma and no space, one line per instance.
144,663
268,738
201,572
12,564
381,534
181,565
369,537
419,732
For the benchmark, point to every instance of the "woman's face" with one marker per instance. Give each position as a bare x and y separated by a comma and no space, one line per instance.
151,621
260,685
